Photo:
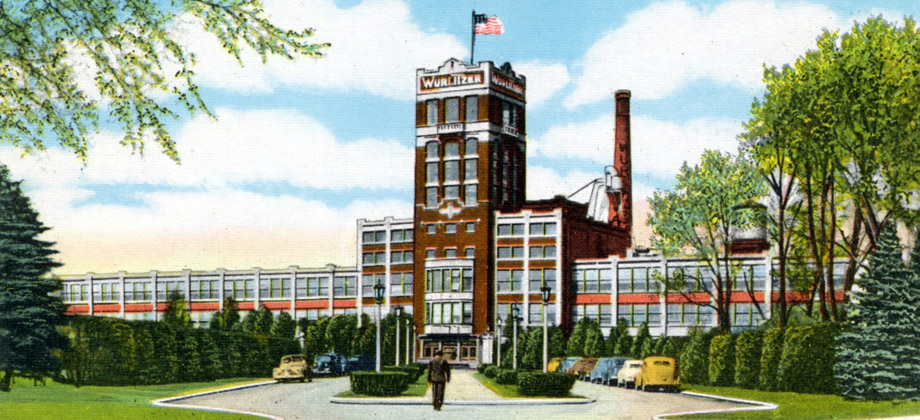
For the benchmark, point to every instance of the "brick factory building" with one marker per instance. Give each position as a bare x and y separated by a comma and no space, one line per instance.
474,248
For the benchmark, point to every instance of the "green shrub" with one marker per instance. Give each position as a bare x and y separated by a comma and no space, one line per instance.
506,377
694,359
533,384
413,371
769,359
722,360
490,371
379,384
748,349
807,363
482,368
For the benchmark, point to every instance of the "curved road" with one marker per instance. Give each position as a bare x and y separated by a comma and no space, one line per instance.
294,401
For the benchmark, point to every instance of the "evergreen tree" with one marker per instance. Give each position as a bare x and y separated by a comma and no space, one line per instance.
211,368
264,321
145,351
189,356
284,327
557,342
533,349
339,332
177,314
879,356
365,339
642,342
226,319
594,340
29,315
250,323
694,359
576,345
615,333
624,345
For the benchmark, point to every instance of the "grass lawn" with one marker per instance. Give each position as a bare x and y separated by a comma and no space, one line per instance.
62,402
416,389
794,406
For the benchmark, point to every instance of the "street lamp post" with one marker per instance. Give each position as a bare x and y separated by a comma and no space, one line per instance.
378,296
408,331
514,314
545,290
398,310
500,337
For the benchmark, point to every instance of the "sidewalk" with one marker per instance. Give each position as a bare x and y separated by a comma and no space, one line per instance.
463,389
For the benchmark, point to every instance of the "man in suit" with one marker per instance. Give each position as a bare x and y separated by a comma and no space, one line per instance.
438,376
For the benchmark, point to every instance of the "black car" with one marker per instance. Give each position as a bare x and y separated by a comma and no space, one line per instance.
329,364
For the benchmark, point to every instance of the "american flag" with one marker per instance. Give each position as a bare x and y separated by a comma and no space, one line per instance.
488,25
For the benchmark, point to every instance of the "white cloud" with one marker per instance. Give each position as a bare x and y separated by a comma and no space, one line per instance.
666,45
543,80
240,147
376,47
658,147
204,230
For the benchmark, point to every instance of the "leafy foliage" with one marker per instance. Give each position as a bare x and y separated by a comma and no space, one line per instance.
878,356
130,48
641,346
177,313
748,351
29,314
807,363
379,384
694,360
770,357
545,384
722,360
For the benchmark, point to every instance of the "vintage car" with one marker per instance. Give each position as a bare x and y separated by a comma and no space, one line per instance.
567,363
582,367
293,367
554,364
658,373
359,363
605,372
626,377
330,364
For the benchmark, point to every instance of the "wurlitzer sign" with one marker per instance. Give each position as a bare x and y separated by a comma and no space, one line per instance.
508,85
430,83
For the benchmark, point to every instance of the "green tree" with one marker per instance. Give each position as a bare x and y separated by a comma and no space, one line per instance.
624,345
29,314
841,113
878,357
557,342
694,359
615,334
339,332
284,326
264,321
576,344
227,318
642,343
190,368
594,340
135,60
533,349
709,202
365,340
177,314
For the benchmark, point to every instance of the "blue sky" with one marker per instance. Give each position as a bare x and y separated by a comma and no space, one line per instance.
301,149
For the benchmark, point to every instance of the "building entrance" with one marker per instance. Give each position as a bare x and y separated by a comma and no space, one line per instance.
454,351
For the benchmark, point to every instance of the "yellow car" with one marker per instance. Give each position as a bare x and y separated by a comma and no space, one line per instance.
294,367
658,372
554,364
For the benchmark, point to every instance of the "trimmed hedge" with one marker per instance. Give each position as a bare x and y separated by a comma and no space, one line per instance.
482,368
414,371
748,348
694,359
722,360
385,383
533,384
490,371
769,359
506,377
807,363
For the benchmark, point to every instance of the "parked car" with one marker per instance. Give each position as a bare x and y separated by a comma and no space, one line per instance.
626,377
329,364
606,370
293,367
554,364
567,364
658,372
360,363
583,367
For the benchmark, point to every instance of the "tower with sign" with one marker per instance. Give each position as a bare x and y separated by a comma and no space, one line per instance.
470,159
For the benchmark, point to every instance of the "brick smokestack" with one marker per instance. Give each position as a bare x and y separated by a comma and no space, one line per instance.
620,213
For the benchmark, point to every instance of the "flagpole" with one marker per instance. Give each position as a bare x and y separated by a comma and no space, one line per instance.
472,37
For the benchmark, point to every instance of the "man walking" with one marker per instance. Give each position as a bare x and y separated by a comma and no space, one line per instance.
438,375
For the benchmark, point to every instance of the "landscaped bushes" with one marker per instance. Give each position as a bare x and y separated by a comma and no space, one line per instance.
379,384
770,356
490,371
747,358
414,371
807,363
506,377
105,351
722,360
545,384
694,359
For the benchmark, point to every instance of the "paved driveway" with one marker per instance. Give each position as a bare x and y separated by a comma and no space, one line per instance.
311,401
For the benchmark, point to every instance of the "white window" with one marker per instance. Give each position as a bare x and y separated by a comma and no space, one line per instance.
471,146
452,192
470,227
450,228
452,110
431,229
470,166
431,197
472,108
431,149
451,171
450,253
432,112
469,194
429,254
470,252
432,173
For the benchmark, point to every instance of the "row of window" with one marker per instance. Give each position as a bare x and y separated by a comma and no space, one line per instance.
400,283
592,280
451,171
539,252
452,228
451,149
379,258
452,192
448,313
536,229
452,110
468,252
511,281
535,312
379,236
449,280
